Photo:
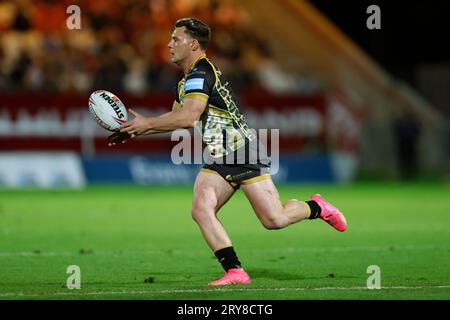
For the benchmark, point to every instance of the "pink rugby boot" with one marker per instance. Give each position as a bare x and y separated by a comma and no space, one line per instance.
232,276
330,214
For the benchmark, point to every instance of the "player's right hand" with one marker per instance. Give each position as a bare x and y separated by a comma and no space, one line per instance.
118,137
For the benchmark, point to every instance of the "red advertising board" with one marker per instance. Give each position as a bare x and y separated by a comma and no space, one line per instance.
45,121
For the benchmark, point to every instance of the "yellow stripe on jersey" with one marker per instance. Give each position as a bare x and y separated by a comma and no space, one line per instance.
197,96
209,171
201,56
256,179
216,112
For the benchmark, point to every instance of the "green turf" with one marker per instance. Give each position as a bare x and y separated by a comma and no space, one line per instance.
120,236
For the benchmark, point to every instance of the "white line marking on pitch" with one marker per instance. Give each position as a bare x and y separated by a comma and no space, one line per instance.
164,251
22,294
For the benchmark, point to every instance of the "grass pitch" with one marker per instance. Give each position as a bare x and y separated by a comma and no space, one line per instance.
141,243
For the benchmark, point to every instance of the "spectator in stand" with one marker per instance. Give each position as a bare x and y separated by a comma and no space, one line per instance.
122,45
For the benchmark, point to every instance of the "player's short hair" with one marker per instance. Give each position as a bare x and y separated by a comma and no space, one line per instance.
196,29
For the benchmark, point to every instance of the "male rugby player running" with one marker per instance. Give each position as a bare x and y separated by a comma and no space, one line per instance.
204,95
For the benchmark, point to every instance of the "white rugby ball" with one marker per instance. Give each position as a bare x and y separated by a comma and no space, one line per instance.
107,109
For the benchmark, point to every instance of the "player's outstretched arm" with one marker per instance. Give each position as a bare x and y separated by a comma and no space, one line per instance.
184,117
124,136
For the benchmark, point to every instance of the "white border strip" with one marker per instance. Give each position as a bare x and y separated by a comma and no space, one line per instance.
95,293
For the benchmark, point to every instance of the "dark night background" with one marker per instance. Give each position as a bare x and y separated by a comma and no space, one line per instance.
413,33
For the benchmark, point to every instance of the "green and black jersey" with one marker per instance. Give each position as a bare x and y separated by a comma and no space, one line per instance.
224,128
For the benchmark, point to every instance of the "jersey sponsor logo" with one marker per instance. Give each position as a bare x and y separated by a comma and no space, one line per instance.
197,73
194,84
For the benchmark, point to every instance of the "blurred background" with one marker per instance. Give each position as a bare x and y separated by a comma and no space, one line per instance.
351,103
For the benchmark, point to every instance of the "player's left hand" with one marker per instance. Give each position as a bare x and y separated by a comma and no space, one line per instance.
118,137
136,126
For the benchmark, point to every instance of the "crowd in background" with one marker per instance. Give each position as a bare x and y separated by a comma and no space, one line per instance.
122,45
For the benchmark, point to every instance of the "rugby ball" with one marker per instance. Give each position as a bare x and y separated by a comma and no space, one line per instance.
107,109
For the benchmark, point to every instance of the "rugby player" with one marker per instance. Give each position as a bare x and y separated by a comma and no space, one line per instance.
203,95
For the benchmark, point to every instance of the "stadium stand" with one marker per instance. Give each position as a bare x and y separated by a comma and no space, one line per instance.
328,97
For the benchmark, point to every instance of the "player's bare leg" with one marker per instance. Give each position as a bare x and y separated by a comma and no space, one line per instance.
211,192
265,200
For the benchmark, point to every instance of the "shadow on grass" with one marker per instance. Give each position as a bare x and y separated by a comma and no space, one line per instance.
280,275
